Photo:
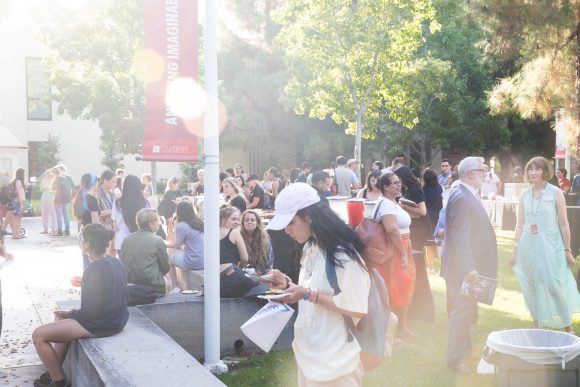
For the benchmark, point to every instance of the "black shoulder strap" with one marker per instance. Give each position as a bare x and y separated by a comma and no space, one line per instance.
377,206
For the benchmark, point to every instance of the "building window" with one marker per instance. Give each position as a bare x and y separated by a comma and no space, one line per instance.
38,100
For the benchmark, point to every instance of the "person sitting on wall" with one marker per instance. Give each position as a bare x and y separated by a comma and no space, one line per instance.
144,253
103,310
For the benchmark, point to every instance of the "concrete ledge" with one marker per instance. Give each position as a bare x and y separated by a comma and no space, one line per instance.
161,342
141,355
181,317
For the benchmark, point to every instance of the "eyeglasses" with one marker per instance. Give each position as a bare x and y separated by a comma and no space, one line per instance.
479,170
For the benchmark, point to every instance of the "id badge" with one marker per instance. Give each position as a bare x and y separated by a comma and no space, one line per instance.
534,229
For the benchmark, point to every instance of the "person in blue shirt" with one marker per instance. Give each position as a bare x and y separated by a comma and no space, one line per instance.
445,173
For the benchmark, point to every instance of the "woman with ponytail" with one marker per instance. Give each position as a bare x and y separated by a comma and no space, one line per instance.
86,207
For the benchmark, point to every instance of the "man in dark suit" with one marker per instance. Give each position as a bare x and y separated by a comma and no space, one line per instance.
469,250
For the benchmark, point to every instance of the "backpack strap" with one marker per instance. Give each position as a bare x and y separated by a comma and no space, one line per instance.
331,276
332,280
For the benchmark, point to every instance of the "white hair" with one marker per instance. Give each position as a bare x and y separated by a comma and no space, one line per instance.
469,164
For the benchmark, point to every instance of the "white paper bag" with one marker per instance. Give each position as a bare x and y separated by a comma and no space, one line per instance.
265,326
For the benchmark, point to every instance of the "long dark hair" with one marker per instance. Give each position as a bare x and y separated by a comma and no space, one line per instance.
376,174
407,178
332,235
258,248
18,175
131,201
430,178
186,213
106,175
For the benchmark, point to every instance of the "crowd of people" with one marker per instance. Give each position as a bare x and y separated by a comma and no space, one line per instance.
119,216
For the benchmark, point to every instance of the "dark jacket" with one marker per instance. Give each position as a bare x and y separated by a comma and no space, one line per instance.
144,255
470,242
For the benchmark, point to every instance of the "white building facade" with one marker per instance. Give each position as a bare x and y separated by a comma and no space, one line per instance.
27,118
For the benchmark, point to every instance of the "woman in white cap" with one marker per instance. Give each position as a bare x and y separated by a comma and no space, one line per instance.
324,354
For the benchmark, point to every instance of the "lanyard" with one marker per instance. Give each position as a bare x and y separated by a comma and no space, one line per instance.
109,201
535,210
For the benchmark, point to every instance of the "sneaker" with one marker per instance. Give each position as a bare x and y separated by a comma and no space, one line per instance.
58,233
44,232
175,290
66,232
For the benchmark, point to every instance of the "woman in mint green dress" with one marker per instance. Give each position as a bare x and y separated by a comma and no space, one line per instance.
542,257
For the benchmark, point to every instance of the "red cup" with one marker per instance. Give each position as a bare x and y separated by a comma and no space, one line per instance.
355,209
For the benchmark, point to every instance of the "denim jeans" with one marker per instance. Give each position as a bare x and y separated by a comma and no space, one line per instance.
238,285
62,214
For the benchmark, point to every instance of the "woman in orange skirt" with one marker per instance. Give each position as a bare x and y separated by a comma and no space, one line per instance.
399,273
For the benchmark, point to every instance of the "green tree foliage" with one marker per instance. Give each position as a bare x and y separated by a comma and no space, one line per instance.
43,155
90,65
354,60
5,8
455,112
542,41
253,75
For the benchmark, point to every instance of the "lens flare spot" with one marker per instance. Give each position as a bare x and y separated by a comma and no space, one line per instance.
148,66
185,98
196,125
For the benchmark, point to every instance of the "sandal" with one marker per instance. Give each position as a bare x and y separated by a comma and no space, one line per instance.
45,378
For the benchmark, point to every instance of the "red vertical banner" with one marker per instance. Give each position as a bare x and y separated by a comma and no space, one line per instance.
171,36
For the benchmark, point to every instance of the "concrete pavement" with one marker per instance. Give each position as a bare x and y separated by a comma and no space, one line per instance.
39,276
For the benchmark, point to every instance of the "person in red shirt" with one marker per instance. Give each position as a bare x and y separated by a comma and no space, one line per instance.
563,182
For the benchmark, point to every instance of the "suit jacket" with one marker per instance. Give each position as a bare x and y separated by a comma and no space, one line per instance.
469,243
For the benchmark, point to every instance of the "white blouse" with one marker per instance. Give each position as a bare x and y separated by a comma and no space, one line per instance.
388,207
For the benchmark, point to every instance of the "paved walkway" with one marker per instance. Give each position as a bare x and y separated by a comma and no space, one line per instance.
39,275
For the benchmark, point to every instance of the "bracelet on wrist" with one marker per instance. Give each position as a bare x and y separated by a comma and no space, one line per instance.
313,296
568,250
306,295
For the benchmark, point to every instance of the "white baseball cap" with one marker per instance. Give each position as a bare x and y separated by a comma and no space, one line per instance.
292,199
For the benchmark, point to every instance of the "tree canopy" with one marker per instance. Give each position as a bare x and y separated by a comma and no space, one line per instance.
540,42
354,60
91,66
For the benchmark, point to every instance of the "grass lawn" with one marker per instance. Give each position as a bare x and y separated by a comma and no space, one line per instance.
421,361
